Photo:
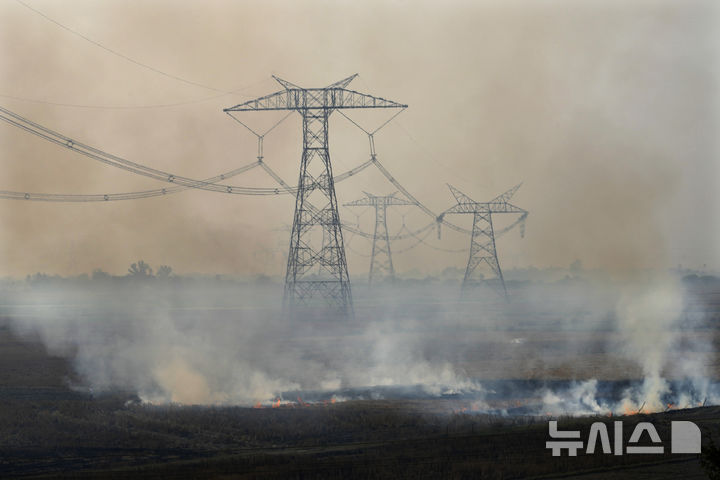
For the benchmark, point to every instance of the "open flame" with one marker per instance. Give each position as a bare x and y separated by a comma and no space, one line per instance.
278,402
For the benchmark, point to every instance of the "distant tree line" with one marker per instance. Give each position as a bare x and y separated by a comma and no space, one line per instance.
141,271
138,272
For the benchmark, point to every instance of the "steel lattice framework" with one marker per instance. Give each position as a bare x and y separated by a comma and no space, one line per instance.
381,264
316,239
482,241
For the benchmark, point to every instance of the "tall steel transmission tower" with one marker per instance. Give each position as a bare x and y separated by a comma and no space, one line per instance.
482,241
381,259
316,213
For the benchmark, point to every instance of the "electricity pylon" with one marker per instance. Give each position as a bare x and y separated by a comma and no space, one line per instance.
482,242
312,220
381,258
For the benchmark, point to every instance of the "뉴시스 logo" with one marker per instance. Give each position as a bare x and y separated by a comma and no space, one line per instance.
684,438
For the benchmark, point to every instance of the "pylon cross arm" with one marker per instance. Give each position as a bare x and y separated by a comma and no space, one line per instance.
314,98
468,208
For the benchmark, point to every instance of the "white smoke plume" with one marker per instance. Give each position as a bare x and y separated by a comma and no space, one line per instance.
167,353
228,344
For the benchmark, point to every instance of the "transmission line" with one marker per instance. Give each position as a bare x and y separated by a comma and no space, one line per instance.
349,247
118,162
121,55
439,249
371,137
112,107
70,198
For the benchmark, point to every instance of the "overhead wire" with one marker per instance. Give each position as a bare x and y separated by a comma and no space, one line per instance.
410,247
113,107
70,198
439,219
349,247
208,184
220,92
119,54
51,197
118,162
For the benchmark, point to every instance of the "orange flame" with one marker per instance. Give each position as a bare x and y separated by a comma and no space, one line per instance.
276,404
258,405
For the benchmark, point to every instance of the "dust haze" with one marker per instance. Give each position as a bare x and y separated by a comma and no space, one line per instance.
606,111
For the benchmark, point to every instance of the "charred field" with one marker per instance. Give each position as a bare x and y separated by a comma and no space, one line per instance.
191,379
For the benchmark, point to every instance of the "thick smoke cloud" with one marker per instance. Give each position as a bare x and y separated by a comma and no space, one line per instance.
610,348
607,111
224,354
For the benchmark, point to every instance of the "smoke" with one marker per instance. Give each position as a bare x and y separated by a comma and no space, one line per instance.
607,111
595,348
652,323
579,399
653,331
647,322
397,359
202,345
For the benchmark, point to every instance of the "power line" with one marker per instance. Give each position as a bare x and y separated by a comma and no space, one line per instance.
71,198
75,198
439,249
418,241
128,107
118,54
112,107
118,162
439,218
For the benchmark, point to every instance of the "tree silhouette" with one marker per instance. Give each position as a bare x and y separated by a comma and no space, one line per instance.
164,271
140,270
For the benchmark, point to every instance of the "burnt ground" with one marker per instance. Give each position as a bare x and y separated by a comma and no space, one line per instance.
48,430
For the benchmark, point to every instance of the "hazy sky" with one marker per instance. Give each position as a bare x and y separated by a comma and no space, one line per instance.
607,111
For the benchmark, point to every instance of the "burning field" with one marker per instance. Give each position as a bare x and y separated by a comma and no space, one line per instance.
165,377
569,349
